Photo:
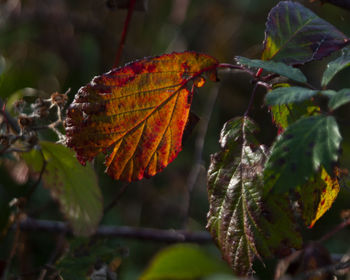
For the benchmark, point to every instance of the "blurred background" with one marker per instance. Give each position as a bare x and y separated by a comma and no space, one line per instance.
54,45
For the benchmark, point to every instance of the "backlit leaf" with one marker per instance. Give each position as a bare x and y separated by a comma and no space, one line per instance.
285,114
340,98
295,35
317,196
183,262
243,223
300,151
74,186
274,67
336,66
137,113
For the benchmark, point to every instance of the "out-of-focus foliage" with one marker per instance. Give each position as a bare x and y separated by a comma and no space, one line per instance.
54,45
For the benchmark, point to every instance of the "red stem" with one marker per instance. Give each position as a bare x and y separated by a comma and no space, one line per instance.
125,31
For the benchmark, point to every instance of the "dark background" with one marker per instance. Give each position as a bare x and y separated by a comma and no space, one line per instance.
54,45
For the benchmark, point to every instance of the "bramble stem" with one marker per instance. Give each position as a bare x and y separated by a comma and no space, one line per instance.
125,31
251,99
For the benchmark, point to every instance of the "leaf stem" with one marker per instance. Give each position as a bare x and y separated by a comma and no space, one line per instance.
236,67
125,31
116,198
251,99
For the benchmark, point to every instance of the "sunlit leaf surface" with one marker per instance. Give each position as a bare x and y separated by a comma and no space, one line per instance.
243,223
136,114
183,261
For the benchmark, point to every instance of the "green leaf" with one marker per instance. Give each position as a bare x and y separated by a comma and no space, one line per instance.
336,66
286,114
275,67
243,223
295,35
300,151
287,95
340,98
183,261
73,185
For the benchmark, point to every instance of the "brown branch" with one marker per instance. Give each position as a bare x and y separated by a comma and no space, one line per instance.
149,234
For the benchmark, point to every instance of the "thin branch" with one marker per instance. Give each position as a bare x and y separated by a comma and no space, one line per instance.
338,228
116,199
251,99
37,182
236,67
149,234
334,268
199,145
125,31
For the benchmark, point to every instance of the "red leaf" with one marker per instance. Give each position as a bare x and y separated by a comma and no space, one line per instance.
136,114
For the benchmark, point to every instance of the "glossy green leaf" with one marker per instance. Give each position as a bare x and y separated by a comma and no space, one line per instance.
287,95
340,98
73,185
274,67
335,66
295,35
300,151
185,262
243,223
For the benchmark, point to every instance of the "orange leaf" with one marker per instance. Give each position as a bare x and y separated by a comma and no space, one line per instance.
136,114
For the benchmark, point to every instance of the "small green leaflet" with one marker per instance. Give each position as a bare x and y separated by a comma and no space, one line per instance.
73,185
243,223
295,35
335,66
274,67
184,261
340,98
300,151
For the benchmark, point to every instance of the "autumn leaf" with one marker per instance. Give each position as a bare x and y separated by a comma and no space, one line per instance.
317,196
136,114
